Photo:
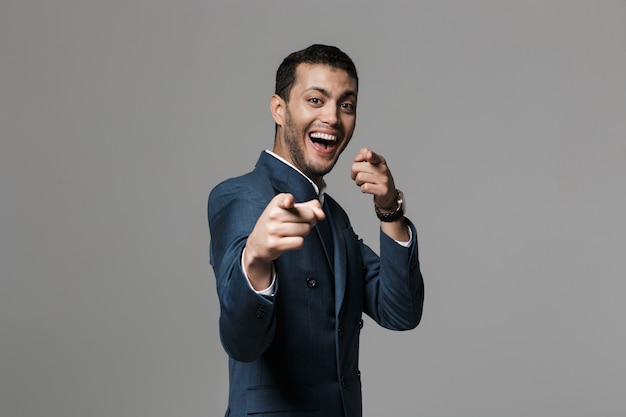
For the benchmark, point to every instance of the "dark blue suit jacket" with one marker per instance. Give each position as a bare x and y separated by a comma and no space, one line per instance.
296,353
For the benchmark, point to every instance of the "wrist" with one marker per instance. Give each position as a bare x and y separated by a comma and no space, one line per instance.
394,213
259,272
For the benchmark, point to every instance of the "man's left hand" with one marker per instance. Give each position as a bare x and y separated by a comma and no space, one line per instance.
371,173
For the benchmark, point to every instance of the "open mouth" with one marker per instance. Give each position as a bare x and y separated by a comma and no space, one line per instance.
323,141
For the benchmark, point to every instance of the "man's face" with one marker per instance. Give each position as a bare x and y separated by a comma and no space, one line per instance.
317,123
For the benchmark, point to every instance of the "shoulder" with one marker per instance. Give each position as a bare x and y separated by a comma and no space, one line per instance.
248,182
251,191
251,183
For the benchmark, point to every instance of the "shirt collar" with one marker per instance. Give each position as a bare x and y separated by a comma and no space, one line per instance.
319,191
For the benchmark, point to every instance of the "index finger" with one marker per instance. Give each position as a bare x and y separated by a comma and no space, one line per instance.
285,201
375,158
363,155
314,206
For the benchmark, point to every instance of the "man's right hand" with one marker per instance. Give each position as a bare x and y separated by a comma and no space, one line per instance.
281,227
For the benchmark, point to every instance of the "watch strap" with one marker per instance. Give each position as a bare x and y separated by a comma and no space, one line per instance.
394,215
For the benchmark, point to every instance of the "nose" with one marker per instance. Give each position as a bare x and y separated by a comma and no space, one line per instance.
330,114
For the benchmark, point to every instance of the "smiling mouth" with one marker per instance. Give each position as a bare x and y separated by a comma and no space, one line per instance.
324,139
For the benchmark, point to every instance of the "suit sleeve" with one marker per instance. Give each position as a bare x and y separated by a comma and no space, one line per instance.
394,287
247,323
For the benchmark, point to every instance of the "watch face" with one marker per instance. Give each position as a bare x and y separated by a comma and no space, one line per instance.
401,201
397,213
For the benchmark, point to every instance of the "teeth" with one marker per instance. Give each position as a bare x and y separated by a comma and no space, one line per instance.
323,136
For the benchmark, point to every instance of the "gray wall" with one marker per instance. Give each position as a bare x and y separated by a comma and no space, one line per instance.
503,121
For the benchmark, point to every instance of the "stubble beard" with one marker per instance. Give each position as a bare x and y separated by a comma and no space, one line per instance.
296,152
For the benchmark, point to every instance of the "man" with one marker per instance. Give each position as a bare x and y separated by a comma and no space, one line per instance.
293,279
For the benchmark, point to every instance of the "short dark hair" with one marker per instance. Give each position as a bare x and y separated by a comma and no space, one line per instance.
314,54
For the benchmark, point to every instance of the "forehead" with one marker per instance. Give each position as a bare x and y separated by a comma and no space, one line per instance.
324,76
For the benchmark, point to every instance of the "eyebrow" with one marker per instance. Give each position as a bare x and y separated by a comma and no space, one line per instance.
343,96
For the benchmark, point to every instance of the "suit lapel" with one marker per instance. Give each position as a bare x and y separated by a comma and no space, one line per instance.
327,237
339,260
286,179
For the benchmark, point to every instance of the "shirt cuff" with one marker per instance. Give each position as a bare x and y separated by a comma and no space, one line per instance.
269,290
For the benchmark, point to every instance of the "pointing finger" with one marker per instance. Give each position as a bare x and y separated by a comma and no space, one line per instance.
315,208
375,158
363,155
286,201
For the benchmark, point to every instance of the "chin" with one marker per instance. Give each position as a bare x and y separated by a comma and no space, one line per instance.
320,171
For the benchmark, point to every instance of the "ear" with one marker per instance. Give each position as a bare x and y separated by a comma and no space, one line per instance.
277,107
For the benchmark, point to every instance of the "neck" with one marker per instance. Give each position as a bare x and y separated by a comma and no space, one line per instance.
318,183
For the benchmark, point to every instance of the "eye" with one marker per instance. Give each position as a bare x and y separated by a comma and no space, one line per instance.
315,100
348,107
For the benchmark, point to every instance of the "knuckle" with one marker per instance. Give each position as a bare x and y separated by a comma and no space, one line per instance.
272,229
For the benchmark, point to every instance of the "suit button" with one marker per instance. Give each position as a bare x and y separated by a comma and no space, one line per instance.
343,381
340,331
311,282
361,324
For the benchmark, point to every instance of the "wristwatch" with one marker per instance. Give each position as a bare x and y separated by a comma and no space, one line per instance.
394,215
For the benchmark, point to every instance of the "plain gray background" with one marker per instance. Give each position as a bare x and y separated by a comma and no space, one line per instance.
503,121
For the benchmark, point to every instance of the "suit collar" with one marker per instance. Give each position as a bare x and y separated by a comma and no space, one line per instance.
286,178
